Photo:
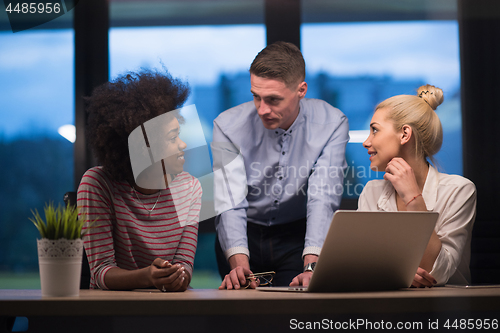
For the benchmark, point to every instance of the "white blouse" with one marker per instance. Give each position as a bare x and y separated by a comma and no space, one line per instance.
454,198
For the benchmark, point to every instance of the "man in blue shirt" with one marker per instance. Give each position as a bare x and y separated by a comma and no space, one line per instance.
293,159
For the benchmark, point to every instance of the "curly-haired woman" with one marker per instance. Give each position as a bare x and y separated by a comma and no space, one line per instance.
143,236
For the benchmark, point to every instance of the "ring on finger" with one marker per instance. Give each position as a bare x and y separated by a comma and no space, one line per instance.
163,289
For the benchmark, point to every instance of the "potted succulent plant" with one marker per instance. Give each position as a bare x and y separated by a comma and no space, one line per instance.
60,250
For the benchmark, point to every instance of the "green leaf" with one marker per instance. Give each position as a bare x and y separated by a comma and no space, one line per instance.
60,222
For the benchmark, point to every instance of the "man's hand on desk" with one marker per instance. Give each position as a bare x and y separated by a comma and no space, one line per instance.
237,277
303,278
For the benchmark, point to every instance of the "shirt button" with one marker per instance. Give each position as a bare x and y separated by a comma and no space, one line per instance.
284,134
275,201
276,132
283,153
280,178
273,218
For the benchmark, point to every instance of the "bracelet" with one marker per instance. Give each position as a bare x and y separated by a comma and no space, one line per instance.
413,198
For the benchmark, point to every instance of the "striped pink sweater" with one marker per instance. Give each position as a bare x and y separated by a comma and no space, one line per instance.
126,235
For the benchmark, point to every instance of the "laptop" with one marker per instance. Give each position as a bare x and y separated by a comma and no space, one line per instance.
370,251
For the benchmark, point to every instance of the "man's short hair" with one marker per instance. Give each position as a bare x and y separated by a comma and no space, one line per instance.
280,61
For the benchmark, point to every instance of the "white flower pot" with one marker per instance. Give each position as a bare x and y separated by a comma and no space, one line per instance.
60,263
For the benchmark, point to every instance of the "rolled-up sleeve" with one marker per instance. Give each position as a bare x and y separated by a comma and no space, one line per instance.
94,202
325,187
230,195
186,249
454,231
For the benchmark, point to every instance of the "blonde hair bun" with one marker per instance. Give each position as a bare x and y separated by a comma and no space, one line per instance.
431,95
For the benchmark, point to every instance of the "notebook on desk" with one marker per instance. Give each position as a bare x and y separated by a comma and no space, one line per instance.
368,251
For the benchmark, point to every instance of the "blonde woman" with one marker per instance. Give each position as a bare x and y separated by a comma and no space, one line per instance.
405,133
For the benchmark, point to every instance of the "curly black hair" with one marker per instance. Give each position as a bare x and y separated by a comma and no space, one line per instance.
116,108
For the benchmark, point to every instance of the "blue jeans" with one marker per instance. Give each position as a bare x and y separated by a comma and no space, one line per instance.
275,248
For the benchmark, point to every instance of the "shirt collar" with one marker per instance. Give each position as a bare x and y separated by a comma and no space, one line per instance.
293,128
430,188
387,200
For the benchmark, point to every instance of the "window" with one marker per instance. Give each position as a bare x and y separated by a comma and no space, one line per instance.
354,66
356,56
36,90
214,60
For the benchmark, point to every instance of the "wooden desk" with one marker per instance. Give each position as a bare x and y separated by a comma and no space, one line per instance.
250,310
